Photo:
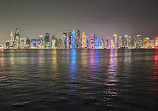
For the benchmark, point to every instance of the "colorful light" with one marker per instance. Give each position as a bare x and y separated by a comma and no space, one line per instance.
83,40
92,41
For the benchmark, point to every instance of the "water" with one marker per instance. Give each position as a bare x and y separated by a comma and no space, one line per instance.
81,80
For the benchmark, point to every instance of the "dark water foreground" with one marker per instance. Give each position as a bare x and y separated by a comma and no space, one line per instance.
79,80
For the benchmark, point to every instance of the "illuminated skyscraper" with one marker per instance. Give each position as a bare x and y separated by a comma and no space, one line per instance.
78,39
28,43
129,41
107,43
60,43
69,39
16,43
73,40
112,44
97,42
125,41
11,39
139,41
87,41
47,41
1,46
156,42
92,41
102,44
22,42
64,40
53,41
120,41
84,40
146,42
115,40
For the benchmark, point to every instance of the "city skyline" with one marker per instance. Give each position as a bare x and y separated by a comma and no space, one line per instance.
103,18
77,39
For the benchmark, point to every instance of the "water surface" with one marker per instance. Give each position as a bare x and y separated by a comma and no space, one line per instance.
78,79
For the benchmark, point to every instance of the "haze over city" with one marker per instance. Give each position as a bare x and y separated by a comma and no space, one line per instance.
103,18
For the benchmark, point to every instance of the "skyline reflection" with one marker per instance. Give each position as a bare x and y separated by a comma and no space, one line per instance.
112,80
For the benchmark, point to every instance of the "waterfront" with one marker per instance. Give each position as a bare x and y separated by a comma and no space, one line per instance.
79,79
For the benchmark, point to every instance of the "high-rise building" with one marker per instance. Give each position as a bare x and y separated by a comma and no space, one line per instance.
22,42
16,43
107,43
1,46
112,44
28,43
120,41
69,39
115,40
97,42
64,40
78,39
60,43
7,45
156,42
92,41
11,39
47,41
125,41
102,44
139,43
87,41
53,42
84,40
129,42
73,40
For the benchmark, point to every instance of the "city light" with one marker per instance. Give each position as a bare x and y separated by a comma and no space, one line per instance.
73,39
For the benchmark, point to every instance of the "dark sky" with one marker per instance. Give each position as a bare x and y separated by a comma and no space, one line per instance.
101,17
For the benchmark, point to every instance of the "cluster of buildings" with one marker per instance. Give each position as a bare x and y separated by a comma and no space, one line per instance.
76,39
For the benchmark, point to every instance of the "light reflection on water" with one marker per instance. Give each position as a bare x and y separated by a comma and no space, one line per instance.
77,79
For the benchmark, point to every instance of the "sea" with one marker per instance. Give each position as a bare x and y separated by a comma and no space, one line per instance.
79,80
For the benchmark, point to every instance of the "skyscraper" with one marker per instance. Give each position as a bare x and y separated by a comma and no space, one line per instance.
107,43
92,41
16,43
78,39
115,40
64,40
27,43
1,46
73,40
125,41
84,40
22,42
102,44
47,40
156,42
11,39
69,39
97,42
120,41
139,41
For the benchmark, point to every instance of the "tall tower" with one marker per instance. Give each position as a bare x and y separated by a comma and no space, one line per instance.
47,40
84,40
115,40
16,43
92,41
11,39
156,42
97,42
64,40
69,39
73,39
78,39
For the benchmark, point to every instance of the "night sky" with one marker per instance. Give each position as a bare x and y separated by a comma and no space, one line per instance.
101,17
